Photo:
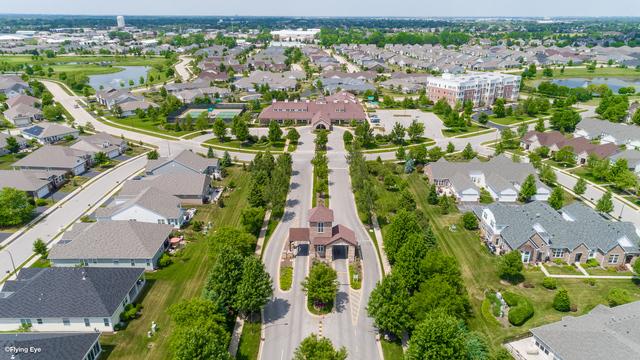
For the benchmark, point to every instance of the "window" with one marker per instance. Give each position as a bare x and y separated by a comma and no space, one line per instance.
613,259
87,323
558,253
39,321
133,262
320,248
106,322
526,256
116,261
160,221
320,227
66,322
592,254
25,322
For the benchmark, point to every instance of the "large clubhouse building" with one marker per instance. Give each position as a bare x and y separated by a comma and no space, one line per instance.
341,108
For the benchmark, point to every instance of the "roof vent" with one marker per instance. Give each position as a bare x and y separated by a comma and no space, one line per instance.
84,275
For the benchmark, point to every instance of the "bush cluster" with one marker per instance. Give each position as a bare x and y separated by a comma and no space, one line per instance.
520,308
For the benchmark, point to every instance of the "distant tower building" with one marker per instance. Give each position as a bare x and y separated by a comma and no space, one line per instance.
120,21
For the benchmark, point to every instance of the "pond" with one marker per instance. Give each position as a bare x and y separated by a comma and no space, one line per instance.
116,80
613,83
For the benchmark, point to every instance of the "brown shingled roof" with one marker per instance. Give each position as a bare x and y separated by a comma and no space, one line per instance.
298,234
320,213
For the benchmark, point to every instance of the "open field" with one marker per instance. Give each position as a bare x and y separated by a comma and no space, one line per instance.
183,279
236,144
478,268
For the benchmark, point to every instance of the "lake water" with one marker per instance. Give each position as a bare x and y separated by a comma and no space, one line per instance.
613,83
114,80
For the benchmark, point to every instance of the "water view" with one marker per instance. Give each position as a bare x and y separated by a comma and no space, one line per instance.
119,79
613,83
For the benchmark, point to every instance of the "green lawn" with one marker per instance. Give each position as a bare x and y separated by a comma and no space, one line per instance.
237,144
509,120
583,72
249,341
147,124
469,130
74,183
6,161
183,279
563,269
612,271
286,277
478,269
391,350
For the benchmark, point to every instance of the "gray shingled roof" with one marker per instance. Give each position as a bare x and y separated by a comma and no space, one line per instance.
150,198
53,156
185,158
46,129
24,180
596,128
66,292
580,224
54,346
604,333
111,240
98,142
174,183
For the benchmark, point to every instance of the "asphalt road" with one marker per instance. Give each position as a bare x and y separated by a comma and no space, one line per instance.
22,248
349,325
286,319
182,69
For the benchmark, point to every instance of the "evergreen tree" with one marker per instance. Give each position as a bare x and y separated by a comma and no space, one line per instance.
528,189
605,204
556,199
210,153
580,187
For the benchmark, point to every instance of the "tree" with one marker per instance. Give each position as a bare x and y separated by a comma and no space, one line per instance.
321,285
469,221
499,108
561,301
347,137
402,226
528,188
15,208
101,158
12,145
401,154
397,133
565,120
450,147
153,155
275,133
364,134
388,306
415,130
251,219
200,340
510,266
233,237
293,135
468,152
540,125
406,266
565,156
432,196
40,248
202,122
618,296
547,175
315,348
483,118
210,153
220,129
117,111
580,187
438,294
556,199
226,159
223,278
605,204
445,204
438,337
240,129
255,287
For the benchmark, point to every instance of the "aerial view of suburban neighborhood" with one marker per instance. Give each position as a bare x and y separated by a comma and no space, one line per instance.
319,181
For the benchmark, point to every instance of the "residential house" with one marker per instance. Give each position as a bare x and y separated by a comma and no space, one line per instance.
111,244
609,133
286,81
78,299
12,85
340,108
36,183
184,161
149,205
602,333
574,234
49,133
189,187
129,108
631,156
500,177
323,237
3,143
102,142
50,346
111,97
22,115
581,147
54,157
24,100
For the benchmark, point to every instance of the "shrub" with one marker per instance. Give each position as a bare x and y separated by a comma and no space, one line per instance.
550,283
561,301
487,312
618,296
41,202
558,261
520,309
197,225
591,263
130,312
590,281
164,261
469,221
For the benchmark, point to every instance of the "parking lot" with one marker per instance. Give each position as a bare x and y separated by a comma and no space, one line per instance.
388,118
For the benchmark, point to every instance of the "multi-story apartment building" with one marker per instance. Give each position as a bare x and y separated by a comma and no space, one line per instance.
480,88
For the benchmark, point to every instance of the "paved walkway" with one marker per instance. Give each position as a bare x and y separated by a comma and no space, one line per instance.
386,267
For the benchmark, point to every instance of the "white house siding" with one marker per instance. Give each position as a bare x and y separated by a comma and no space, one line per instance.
147,264
42,192
508,197
79,169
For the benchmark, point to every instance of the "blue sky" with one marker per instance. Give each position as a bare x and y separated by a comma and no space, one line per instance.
418,8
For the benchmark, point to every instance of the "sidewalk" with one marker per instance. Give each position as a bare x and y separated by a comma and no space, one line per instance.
587,276
386,267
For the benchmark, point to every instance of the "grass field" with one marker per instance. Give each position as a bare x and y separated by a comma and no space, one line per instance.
249,341
478,269
183,279
6,161
391,350
469,130
583,72
237,144
147,124
509,120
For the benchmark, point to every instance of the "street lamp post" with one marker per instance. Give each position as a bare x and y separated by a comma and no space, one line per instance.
12,263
